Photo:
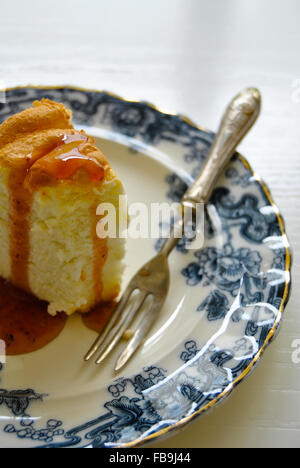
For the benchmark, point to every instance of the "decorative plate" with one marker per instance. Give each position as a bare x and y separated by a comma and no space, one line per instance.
224,307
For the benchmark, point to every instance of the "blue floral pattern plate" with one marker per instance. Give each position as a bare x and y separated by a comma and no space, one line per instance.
224,308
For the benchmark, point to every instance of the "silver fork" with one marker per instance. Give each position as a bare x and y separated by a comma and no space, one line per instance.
153,279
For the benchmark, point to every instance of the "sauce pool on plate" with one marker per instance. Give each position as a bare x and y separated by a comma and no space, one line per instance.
26,326
97,318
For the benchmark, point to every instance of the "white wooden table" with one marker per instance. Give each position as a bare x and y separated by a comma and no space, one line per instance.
191,56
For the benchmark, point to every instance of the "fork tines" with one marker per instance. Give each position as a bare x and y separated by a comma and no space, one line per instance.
116,327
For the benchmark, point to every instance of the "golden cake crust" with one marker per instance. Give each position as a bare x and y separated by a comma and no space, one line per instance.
43,140
43,115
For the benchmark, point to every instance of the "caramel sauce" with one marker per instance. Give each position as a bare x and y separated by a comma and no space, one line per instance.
25,324
97,318
67,158
20,206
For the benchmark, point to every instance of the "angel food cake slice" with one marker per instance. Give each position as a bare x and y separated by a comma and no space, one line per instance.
52,178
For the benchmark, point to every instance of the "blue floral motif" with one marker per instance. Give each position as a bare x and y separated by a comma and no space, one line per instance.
228,269
254,225
192,393
197,157
216,305
220,358
177,187
190,351
241,178
128,120
153,375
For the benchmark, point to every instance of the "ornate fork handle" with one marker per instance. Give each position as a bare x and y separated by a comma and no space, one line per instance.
239,117
237,120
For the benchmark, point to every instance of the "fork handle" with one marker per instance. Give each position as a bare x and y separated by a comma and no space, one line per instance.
239,117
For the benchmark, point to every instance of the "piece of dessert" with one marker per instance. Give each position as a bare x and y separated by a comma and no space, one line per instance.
52,178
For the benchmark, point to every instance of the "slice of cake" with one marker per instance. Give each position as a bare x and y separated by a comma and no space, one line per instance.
52,178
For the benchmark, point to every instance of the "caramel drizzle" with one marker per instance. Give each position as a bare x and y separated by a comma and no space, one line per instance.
20,208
